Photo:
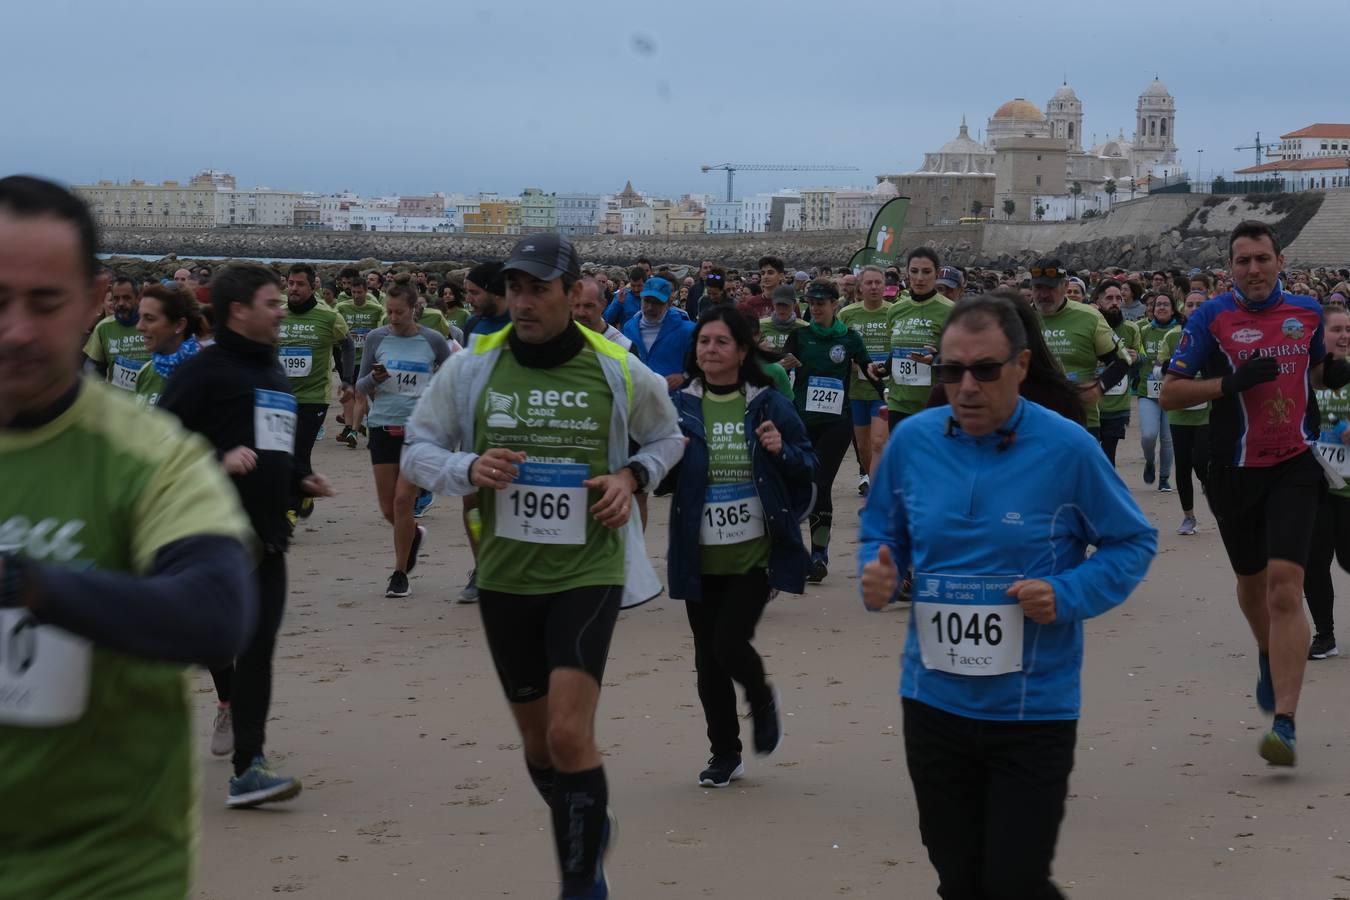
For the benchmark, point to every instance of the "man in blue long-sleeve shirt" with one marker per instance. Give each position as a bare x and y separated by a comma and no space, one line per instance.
995,501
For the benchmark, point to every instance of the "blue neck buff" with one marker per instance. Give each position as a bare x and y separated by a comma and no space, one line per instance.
129,318
165,363
1268,302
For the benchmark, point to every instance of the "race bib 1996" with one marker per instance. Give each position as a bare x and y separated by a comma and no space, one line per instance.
44,672
732,514
297,361
546,504
124,372
910,372
406,377
274,415
824,395
967,624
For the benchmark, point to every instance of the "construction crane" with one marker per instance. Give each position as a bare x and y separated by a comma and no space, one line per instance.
1258,147
733,168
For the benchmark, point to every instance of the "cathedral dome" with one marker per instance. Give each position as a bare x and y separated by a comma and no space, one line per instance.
1019,109
1064,93
963,143
1156,89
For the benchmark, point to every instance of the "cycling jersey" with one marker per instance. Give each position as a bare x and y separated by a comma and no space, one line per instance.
1269,422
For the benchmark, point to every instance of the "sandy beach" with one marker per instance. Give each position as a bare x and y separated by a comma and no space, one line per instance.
414,785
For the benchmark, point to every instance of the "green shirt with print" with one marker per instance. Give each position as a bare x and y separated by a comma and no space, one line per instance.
434,319
103,805
457,316
775,333
1078,336
729,463
1198,415
1153,358
827,357
1117,400
149,385
361,319
539,536
121,349
874,326
914,327
306,350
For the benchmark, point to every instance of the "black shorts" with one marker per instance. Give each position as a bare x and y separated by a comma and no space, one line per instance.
530,635
1113,427
893,419
1266,513
385,446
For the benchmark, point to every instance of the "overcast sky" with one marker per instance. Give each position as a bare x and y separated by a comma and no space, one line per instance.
409,96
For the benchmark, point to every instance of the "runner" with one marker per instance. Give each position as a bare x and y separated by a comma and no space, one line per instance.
397,368
775,327
915,321
122,560
1080,339
1262,350
714,292
115,349
951,283
169,322
1190,432
1153,423
660,335
1115,403
362,315
311,334
871,319
973,494
627,303
453,300
768,360
742,489
588,309
771,272
1331,534
537,419
823,355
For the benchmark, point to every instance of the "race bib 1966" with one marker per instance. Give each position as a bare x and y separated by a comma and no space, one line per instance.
732,513
297,361
967,624
274,420
546,504
824,395
910,372
44,672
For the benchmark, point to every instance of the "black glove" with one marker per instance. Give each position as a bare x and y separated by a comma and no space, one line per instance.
1256,371
1335,373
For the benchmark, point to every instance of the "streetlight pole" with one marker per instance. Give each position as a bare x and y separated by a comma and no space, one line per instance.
1198,158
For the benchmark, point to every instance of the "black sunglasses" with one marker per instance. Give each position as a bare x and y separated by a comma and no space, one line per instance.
953,373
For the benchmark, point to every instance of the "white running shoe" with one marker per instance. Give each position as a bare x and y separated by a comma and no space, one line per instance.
222,732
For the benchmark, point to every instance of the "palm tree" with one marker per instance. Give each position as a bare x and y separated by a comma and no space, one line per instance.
1075,189
975,207
1040,212
1009,207
1109,189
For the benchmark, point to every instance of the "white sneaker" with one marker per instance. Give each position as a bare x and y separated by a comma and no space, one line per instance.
864,484
222,732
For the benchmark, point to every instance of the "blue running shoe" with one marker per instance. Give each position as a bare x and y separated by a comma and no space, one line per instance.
322,431
259,784
1265,685
600,889
1278,745
422,503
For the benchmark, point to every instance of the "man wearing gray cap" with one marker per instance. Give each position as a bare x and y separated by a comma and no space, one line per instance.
537,418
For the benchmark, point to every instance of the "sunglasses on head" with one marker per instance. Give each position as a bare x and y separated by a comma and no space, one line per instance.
954,373
1046,272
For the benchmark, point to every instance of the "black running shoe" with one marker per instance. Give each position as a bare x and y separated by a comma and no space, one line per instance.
418,534
398,586
768,725
1323,646
819,569
721,771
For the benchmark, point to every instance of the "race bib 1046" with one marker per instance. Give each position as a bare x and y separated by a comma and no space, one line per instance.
44,672
967,624
732,514
910,372
546,504
824,395
297,361
274,416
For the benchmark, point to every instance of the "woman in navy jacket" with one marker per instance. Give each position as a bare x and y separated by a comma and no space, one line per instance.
740,493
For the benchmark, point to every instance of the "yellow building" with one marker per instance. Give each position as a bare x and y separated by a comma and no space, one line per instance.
500,216
136,203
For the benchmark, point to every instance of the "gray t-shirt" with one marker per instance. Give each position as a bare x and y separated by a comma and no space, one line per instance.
410,362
